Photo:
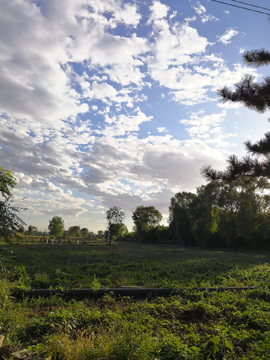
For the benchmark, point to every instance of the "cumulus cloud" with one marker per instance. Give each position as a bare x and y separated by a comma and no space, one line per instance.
73,75
158,11
208,128
226,38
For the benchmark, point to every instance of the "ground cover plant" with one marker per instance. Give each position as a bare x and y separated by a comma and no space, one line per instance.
192,325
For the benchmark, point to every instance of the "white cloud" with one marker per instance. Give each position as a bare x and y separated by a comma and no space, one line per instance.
226,38
158,11
122,124
56,203
208,128
73,73
201,11
31,68
162,129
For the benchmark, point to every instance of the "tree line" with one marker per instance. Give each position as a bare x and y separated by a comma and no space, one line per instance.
219,215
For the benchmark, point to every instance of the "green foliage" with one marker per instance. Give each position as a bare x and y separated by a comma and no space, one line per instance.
146,219
56,226
32,230
180,217
91,235
7,182
222,215
84,232
100,234
95,285
10,222
120,231
188,325
75,231
115,216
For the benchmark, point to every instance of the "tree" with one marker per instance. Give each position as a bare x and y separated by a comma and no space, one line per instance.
32,230
75,231
10,222
205,214
180,217
145,218
251,217
115,216
7,181
229,200
120,230
56,226
100,234
84,232
91,235
255,96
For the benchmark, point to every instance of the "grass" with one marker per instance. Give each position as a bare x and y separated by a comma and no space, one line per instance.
195,325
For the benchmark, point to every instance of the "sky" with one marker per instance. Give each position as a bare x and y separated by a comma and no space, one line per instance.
114,103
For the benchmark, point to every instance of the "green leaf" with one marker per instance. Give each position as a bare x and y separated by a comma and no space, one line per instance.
228,344
215,340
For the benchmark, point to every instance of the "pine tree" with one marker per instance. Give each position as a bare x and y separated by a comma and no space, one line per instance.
255,96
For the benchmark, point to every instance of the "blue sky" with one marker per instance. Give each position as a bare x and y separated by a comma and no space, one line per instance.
114,102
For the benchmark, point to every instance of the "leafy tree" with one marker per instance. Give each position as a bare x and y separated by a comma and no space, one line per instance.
91,235
56,226
7,182
75,231
180,217
32,230
120,230
251,217
100,234
255,96
146,217
229,200
162,233
107,234
115,216
205,214
84,232
10,222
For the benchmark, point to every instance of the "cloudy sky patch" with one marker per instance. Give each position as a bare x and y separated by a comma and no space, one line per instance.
115,102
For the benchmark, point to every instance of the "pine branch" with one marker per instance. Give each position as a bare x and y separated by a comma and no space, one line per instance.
255,96
256,58
261,147
245,170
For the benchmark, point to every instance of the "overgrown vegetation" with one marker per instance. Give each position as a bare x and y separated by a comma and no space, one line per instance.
195,325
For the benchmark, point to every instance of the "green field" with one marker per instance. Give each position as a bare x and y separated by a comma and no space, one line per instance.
193,325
